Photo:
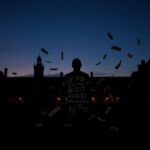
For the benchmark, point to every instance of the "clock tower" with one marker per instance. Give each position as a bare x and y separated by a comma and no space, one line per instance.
38,68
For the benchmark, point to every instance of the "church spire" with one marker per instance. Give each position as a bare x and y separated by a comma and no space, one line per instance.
38,68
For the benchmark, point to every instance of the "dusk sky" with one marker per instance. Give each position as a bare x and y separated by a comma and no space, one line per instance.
77,27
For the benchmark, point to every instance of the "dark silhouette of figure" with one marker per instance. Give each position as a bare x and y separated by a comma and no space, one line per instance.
76,89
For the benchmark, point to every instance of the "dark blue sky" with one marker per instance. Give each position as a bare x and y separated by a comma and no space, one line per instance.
79,28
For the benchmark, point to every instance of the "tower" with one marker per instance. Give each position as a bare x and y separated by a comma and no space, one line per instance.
38,68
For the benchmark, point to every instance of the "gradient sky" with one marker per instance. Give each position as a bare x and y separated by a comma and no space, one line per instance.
79,28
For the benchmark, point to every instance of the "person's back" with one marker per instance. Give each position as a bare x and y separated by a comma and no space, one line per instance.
76,89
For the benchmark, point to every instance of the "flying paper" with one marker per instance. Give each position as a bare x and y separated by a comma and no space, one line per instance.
117,48
110,35
118,65
62,55
98,63
104,57
44,51
130,55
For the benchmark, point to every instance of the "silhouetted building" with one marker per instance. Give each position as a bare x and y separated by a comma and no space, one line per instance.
61,74
1,74
143,69
5,72
141,66
38,68
140,82
91,74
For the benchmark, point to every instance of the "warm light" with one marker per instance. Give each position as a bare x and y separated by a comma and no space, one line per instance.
16,100
118,98
106,99
111,99
20,100
58,99
93,99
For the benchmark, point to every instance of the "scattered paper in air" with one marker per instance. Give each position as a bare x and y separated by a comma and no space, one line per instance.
44,51
130,55
107,88
38,125
98,63
48,61
104,57
54,111
100,119
138,41
53,69
62,55
108,110
110,35
117,48
100,81
14,73
111,97
91,117
118,65
113,128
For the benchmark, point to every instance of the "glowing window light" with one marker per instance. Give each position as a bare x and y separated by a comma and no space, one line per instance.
20,100
106,99
118,98
93,99
58,99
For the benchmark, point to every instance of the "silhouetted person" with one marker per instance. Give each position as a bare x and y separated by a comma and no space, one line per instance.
76,90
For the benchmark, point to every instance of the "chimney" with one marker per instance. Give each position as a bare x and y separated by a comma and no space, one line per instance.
141,66
142,62
91,74
5,72
61,74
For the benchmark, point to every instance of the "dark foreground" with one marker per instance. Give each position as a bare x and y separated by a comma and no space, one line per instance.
107,121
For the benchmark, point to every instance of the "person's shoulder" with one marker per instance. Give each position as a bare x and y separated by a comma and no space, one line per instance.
68,74
84,74
74,74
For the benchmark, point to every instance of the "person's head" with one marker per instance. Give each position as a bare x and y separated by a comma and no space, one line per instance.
76,64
